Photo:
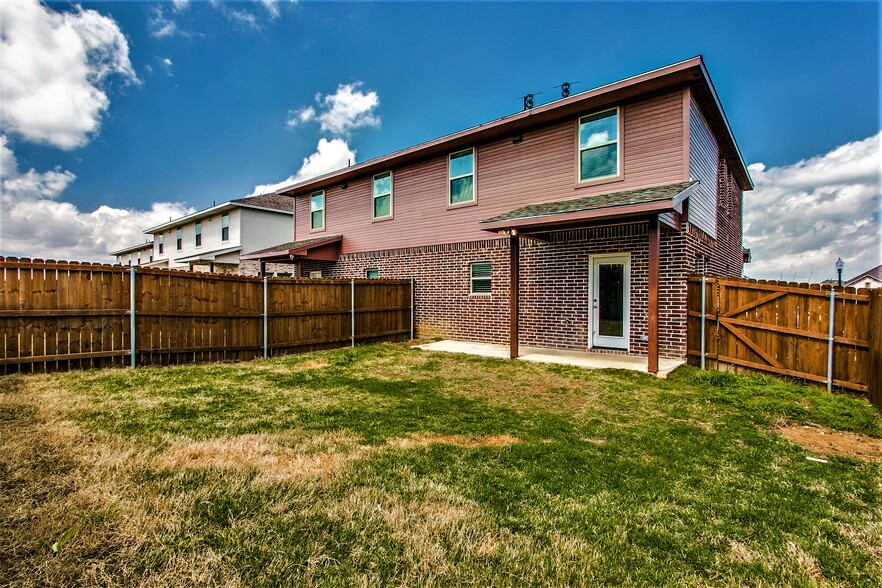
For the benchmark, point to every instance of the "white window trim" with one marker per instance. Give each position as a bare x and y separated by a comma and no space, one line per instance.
371,269
315,275
472,278
181,248
474,175
197,234
324,206
374,196
592,287
227,216
618,142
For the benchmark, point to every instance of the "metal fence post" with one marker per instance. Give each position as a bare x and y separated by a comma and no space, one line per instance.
703,317
830,342
352,305
265,318
132,313
412,305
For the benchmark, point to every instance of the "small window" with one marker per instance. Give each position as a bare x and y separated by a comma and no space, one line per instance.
462,177
481,278
179,238
383,195
225,226
160,246
599,145
199,234
317,274
372,274
317,210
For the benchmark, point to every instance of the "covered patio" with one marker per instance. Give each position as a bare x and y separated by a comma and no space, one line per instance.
664,204
583,359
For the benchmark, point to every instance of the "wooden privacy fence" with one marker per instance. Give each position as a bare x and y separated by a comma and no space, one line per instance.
822,334
60,315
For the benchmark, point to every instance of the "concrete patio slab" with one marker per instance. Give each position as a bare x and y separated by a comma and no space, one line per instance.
584,359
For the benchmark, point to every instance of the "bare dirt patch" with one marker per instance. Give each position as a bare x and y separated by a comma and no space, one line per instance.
460,440
318,458
832,442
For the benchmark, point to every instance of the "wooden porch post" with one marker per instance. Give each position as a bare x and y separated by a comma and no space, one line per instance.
262,269
514,244
654,254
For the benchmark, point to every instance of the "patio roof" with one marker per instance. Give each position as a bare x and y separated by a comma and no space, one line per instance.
643,201
305,249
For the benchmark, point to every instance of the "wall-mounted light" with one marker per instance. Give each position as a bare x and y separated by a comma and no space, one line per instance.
517,138
344,185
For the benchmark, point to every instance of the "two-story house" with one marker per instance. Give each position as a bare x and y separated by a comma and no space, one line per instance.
212,239
571,225
140,254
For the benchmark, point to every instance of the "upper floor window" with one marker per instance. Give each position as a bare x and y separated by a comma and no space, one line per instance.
599,145
462,177
225,226
317,210
179,238
199,234
159,244
382,195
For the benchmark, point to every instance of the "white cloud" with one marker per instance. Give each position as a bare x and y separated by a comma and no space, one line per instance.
166,64
802,217
160,25
300,116
330,155
53,66
180,5
272,7
348,109
35,223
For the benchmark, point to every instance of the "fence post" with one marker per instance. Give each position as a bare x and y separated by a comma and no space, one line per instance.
412,303
132,313
703,317
265,318
830,341
352,313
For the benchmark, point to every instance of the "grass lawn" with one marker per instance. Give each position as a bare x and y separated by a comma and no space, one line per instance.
388,466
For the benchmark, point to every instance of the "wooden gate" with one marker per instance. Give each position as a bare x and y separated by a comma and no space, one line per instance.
801,330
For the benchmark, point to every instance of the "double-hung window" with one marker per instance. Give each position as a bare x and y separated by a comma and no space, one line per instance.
599,153
199,234
461,169
382,192
179,238
225,226
317,210
481,278
159,244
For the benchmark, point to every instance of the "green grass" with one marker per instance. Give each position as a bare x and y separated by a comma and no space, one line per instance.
385,465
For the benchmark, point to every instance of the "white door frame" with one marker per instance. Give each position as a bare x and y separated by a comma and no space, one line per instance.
595,340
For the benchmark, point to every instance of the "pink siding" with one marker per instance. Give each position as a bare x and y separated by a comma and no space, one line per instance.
703,162
540,168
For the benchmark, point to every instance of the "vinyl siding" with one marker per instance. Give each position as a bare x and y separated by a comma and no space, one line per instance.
543,167
260,229
703,164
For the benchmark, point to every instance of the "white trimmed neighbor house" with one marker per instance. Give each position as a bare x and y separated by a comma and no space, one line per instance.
212,240
140,254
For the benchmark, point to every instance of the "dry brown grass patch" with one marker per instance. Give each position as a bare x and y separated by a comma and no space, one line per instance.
832,442
459,440
320,457
741,553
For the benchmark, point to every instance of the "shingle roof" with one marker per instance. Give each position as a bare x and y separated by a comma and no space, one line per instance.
875,273
595,202
294,245
273,201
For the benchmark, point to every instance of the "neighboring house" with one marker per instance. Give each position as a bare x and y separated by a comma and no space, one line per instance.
573,225
869,279
212,239
140,254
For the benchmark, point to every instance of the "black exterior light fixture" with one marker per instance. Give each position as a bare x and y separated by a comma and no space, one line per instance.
840,265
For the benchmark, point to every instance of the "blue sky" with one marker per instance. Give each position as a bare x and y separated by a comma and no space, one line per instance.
206,119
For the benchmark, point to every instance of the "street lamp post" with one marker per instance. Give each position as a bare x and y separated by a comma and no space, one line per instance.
840,265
